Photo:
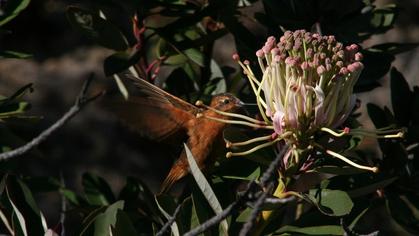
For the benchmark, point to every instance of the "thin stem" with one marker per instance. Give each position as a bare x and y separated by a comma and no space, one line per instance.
343,158
267,144
236,122
247,142
200,103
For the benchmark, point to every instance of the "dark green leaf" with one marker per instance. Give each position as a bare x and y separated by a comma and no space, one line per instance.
124,225
377,64
331,202
313,230
97,28
11,9
97,190
402,213
120,61
12,54
394,48
377,116
401,97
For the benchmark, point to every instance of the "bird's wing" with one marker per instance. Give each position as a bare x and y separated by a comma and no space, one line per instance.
154,113
152,91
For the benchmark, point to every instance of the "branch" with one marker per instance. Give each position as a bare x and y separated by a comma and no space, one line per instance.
266,177
81,101
170,221
255,212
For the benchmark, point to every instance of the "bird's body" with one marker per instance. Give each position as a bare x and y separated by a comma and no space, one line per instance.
161,116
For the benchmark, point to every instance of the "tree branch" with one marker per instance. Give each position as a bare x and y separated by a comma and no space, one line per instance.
264,180
81,101
247,227
169,221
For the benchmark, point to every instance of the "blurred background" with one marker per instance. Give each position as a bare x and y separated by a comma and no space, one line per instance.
94,140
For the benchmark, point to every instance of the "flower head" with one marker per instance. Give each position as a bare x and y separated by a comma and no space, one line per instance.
307,81
306,88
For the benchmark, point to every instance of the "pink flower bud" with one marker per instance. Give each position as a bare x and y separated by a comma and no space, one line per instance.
321,70
346,130
289,61
359,56
236,57
305,65
344,71
260,53
274,51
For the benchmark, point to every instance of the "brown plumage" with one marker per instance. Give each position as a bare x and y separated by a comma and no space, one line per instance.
161,116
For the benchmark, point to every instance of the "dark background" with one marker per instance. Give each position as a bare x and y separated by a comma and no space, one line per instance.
95,141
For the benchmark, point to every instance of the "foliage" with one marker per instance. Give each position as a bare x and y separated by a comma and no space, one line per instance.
179,37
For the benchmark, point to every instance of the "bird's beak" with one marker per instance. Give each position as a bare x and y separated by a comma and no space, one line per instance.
239,103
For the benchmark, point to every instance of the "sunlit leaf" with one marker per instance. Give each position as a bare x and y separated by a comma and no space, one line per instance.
205,187
107,220
174,227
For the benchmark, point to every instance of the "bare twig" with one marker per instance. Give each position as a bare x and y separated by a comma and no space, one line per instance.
351,232
169,221
247,227
81,101
264,180
218,218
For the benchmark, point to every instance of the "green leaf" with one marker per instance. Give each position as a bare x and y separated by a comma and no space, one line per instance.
401,97
121,86
313,230
371,187
174,227
195,56
377,64
71,196
377,115
22,198
107,220
124,225
43,183
11,9
120,61
402,213
331,202
96,28
205,187
97,190
252,176
13,54
394,48
244,215
18,218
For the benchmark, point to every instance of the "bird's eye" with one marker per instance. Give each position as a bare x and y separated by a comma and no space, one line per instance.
226,101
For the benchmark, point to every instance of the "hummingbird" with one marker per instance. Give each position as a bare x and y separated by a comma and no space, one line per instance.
161,116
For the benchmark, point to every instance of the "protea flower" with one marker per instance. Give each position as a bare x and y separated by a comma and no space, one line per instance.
306,88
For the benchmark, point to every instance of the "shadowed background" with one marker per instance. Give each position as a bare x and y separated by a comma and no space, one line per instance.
94,140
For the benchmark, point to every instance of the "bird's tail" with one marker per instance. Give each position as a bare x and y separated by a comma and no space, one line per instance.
176,173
